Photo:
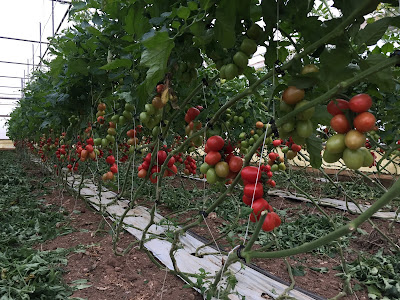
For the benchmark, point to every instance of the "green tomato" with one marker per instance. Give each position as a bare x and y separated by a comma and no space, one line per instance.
144,117
241,120
251,141
222,73
282,166
244,144
285,149
304,115
248,46
256,137
331,157
211,176
149,108
204,168
368,158
105,142
115,118
129,107
288,126
241,59
304,128
254,32
236,119
299,140
353,159
335,144
285,107
127,114
97,142
122,120
274,168
110,138
242,135
231,71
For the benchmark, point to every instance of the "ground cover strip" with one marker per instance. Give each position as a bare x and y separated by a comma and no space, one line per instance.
28,273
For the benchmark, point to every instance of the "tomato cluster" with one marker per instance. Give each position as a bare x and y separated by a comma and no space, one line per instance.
220,163
113,168
300,127
241,58
245,141
155,170
253,189
193,126
190,166
350,120
290,148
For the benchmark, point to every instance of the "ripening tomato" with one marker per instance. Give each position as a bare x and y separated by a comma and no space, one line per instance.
360,103
292,95
269,223
235,163
364,122
354,139
142,173
215,143
192,113
212,158
131,133
110,159
101,107
249,174
109,175
337,107
84,154
222,169
340,124
252,188
259,124
114,168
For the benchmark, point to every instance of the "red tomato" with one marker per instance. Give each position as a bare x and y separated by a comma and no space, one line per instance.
249,174
148,157
161,157
174,169
296,148
256,189
215,143
110,159
338,106
114,168
160,88
246,200
131,133
235,163
340,124
364,122
145,165
276,143
360,103
258,206
191,114
89,148
171,162
212,158
269,223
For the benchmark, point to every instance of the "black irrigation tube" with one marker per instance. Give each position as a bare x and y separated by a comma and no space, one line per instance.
255,267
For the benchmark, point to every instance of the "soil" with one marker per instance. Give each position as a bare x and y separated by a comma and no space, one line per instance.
135,276
130,277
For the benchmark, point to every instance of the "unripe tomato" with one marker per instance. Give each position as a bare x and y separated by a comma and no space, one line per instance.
157,102
292,95
222,169
364,122
340,124
241,59
360,103
336,144
368,158
291,154
248,46
204,168
304,128
338,106
304,115
354,139
211,176
353,159
212,158
251,188
231,71
331,157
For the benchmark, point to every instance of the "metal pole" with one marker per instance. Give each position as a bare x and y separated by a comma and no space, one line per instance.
40,43
52,15
27,68
22,86
33,55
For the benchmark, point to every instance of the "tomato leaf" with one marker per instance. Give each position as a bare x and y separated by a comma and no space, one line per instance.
314,148
117,63
321,115
383,78
373,32
225,23
155,57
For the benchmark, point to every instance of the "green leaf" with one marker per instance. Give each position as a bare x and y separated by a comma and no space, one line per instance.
314,148
383,79
117,63
225,23
78,66
183,12
373,32
298,271
155,57
373,292
321,116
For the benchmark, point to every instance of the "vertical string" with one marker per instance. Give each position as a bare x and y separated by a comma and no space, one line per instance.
135,145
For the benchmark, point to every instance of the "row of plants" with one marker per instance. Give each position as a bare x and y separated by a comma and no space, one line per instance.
143,91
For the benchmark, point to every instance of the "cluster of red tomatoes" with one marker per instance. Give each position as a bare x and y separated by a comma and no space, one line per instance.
350,120
113,168
160,159
289,148
193,126
190,166
254,190
220,163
